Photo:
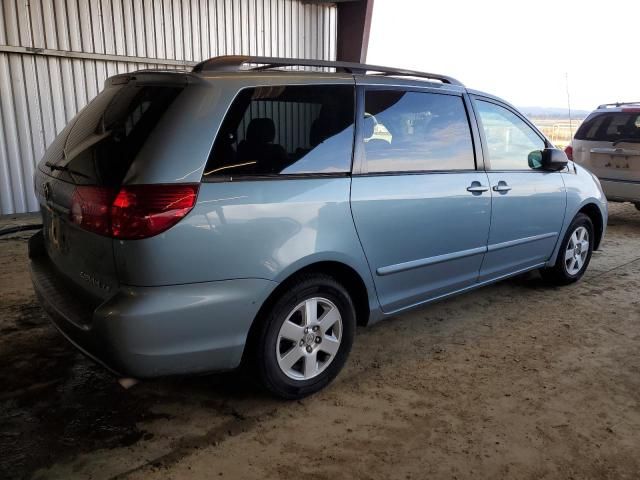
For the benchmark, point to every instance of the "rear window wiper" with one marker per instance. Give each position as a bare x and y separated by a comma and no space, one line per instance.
64,168
628,140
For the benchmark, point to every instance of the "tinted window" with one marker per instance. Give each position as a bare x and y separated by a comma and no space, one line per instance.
285,131
415,131
611,127
509,139
101,144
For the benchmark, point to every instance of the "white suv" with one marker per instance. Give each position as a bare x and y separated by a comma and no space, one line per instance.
608,144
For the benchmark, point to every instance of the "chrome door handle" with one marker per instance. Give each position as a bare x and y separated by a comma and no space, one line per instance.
475,187
502,187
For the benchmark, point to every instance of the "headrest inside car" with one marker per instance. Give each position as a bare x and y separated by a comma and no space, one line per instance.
261,130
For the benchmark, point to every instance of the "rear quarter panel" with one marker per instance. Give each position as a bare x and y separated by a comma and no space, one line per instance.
252,229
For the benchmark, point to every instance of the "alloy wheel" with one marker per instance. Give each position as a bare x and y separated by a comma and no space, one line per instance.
309,338
577,250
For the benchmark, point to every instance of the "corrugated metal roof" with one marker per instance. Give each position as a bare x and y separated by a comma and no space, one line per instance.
41,88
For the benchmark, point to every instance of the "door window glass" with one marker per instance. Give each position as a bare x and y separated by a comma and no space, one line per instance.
416,131
285,130
510,141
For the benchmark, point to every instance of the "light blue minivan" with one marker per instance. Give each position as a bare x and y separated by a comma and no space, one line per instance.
250,212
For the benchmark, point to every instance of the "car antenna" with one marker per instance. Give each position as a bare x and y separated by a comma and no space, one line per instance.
566,81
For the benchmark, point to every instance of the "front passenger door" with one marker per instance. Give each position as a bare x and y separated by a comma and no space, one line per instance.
528,204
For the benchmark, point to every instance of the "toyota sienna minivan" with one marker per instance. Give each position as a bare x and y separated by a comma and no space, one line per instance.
248,213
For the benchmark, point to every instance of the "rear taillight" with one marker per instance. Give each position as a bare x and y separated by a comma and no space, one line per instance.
133,212
90,209
141,211
569,151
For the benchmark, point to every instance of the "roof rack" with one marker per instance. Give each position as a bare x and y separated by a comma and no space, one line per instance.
617,104
234,62
160,70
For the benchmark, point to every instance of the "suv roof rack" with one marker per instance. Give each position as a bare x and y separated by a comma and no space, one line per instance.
617,104
234,62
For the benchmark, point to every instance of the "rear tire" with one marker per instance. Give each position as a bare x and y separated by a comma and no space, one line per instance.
306,337
574,254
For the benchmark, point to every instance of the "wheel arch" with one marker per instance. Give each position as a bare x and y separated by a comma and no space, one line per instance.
343,273
597,213
592,211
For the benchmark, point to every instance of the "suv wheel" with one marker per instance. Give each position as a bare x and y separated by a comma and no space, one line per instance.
306,338
575,253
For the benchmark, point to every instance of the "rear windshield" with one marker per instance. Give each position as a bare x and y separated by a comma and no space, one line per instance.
611,127
100,145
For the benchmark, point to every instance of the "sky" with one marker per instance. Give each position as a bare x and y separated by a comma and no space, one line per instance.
520,50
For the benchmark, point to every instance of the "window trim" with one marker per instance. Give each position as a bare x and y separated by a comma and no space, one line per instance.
293,176
360,161
274,176
485,153
476,135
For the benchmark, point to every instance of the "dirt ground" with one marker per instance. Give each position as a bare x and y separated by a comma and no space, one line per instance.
516,380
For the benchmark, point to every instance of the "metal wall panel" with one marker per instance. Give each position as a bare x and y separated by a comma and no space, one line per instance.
41,91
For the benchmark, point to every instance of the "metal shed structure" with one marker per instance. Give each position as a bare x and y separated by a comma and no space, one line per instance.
56,54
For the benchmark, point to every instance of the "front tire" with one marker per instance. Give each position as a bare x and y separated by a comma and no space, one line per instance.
574,254
306,337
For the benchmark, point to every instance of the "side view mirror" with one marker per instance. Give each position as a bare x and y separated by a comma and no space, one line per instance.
550,159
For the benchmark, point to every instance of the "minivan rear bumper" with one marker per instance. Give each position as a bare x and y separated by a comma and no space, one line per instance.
146,332
621,190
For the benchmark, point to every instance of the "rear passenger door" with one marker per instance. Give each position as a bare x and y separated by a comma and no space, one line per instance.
420,206
528,204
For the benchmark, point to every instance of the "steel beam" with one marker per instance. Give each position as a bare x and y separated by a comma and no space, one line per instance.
354,24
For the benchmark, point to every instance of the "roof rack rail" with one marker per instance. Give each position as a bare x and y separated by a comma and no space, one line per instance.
161,70
234,62
617,104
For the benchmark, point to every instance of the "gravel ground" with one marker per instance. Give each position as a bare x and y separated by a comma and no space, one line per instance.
516,380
